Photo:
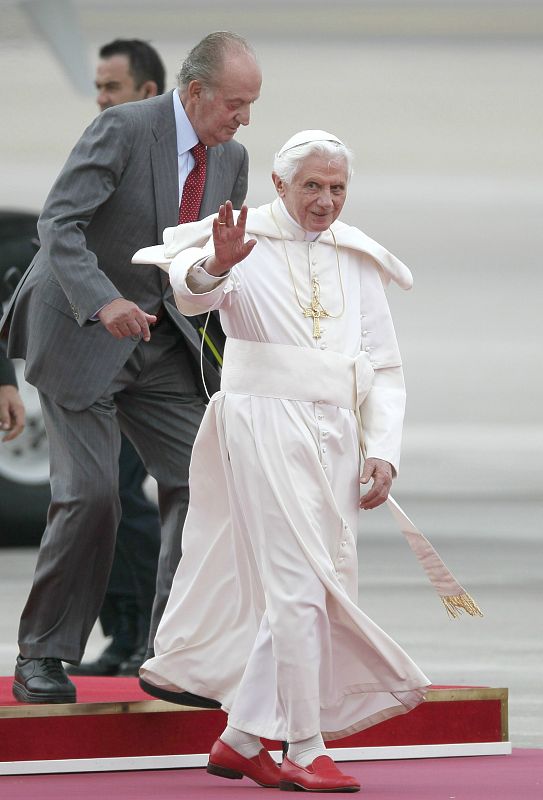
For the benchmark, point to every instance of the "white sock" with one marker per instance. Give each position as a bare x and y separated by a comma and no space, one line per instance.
306,751
246,744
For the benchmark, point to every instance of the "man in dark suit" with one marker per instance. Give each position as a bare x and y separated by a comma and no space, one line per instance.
12,411
106,346
128,70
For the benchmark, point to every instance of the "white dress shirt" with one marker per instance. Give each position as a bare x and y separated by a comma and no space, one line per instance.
186,139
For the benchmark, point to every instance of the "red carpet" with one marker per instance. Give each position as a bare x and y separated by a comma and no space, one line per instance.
113,718
515,777
89,690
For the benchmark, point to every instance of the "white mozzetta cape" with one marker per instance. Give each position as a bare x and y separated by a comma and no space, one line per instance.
288,469
257,302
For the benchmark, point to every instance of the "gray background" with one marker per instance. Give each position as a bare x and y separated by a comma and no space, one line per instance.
441,103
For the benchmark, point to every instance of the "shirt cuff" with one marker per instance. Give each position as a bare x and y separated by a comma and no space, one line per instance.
95,317
200,282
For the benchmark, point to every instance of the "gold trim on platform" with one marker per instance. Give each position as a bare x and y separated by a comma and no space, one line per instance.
466,693
91,709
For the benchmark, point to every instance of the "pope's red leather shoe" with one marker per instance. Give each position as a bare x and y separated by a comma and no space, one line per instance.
227,763
320,776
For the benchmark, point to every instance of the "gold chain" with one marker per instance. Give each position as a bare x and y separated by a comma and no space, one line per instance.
316,310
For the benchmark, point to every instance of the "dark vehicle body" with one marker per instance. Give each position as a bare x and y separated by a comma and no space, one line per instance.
24,462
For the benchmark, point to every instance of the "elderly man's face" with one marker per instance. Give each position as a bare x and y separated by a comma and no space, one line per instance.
316,194
217,114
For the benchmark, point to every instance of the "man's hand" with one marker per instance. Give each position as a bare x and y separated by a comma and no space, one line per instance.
124,318
381,472
12,412
229,240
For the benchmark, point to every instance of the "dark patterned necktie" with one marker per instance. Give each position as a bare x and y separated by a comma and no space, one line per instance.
193,189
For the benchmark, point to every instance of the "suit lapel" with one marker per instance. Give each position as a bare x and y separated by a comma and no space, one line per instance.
165,169
164,165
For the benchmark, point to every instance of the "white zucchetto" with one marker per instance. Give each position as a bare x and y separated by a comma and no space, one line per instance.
307,137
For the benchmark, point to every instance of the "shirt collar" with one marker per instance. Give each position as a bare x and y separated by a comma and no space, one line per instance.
186,135
300,233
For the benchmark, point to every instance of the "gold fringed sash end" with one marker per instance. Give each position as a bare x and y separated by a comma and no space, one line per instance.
455,604
453,595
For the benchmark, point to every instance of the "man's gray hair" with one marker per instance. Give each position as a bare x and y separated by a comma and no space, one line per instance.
287,164
205,61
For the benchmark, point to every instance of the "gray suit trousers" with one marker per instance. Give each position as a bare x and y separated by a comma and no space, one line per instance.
155,401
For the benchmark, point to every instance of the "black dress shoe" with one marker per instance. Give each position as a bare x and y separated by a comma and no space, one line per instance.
181,698
106,664
42,680
131,665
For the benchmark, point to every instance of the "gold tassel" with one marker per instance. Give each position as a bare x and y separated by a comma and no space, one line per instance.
461,602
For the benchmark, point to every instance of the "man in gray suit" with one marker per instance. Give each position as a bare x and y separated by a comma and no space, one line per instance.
128,70
106,347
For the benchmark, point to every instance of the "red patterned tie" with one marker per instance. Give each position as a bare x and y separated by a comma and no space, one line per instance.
193,189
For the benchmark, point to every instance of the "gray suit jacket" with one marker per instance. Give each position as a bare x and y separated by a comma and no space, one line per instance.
116,193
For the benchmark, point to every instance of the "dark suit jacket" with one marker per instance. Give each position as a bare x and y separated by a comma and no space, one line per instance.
7,372
116,193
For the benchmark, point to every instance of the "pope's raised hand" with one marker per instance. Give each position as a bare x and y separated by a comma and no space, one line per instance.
228,240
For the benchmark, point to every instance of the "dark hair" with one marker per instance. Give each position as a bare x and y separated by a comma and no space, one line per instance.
205,60
145,63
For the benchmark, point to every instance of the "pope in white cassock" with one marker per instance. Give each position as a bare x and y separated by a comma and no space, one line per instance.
263,614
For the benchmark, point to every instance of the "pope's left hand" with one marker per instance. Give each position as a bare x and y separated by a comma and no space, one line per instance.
381,473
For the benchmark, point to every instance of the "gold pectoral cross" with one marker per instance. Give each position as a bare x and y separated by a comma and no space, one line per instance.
315,310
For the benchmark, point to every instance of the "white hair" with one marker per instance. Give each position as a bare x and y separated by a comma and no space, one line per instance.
287,164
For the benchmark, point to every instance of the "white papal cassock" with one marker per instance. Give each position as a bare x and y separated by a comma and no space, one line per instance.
263,611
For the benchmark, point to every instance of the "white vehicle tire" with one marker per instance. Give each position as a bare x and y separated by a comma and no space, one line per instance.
24,475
